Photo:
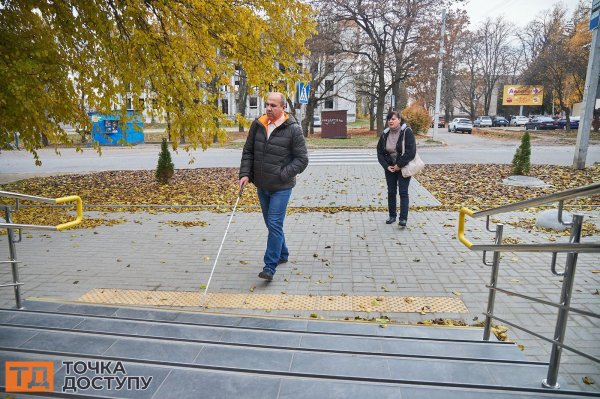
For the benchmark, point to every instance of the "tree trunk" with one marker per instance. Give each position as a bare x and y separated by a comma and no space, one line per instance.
396,94
307,122
182,131
371,113
242,97
380,100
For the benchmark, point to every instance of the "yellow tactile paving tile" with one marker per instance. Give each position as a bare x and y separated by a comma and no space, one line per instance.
277,302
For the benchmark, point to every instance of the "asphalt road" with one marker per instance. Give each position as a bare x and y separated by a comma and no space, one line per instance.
15,165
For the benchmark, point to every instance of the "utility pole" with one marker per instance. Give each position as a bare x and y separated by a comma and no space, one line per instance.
438,90
589,93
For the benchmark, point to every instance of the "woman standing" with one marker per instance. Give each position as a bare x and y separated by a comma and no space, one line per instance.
392,158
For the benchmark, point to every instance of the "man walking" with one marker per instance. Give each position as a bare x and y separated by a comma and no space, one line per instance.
274,153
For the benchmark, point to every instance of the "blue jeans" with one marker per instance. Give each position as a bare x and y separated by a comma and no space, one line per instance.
274,205
395,179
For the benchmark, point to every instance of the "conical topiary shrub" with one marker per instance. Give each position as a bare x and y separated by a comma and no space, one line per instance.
165,168
521,163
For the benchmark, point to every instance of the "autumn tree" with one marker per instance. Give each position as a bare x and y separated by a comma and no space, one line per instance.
561,61
417,118
493,37
578,49
55,53
423,81
241,96
456,24
388,38
366,90
329,68
468,88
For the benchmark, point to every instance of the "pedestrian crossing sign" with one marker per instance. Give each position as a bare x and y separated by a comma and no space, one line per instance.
303,90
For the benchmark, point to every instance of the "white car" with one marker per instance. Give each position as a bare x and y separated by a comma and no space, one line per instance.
518,121
317,121
460,125
483,121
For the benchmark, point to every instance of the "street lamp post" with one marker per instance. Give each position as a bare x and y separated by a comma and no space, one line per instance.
438,90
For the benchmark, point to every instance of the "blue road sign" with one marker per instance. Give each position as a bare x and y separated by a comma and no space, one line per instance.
595,17
303,90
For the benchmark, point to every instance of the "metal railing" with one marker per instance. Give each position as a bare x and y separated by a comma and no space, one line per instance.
11,227
572,248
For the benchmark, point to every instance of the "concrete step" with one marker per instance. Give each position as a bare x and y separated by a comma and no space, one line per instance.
190,354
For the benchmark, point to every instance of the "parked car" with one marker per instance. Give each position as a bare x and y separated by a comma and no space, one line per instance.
499,121
441,121
483,121
562,123
541,123
317,121
518,120
460,125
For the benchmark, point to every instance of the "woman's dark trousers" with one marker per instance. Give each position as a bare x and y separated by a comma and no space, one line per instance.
395,181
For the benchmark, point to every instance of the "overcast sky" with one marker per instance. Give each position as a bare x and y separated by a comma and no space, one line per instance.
519,12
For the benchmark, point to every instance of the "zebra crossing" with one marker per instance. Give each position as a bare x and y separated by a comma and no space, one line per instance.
342,158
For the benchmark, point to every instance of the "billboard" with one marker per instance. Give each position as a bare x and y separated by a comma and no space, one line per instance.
523,95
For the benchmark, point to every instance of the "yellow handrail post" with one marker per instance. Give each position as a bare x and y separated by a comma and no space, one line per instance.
79,205
461,226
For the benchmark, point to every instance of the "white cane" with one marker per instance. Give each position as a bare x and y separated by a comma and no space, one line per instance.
221,247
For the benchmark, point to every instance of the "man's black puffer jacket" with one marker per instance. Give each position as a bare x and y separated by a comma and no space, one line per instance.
273,164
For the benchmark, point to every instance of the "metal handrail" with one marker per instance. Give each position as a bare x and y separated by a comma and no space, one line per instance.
10,227
584,191
572,248
553,247
61,200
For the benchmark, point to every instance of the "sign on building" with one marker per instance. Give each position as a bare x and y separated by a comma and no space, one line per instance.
523,95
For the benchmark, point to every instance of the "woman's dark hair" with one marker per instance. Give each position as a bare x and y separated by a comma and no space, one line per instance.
392,113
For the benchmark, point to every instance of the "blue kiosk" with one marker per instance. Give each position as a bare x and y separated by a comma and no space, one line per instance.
106,129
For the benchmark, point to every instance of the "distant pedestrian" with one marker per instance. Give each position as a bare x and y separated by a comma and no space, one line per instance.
392,158
274,153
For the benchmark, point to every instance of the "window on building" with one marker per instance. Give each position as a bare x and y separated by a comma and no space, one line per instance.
129,103
253,102
329,104
225,106
329,67
328,86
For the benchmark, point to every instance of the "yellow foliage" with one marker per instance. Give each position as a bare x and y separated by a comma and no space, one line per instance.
417,117
178,54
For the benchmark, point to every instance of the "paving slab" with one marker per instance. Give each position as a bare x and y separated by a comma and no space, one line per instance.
346,253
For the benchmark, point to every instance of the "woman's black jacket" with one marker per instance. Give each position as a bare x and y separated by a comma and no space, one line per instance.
410,149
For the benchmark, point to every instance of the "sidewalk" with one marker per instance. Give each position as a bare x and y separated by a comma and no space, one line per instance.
344,254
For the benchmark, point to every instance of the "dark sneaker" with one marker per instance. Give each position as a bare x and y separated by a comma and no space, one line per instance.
281,261
266,275
390,220
402,223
